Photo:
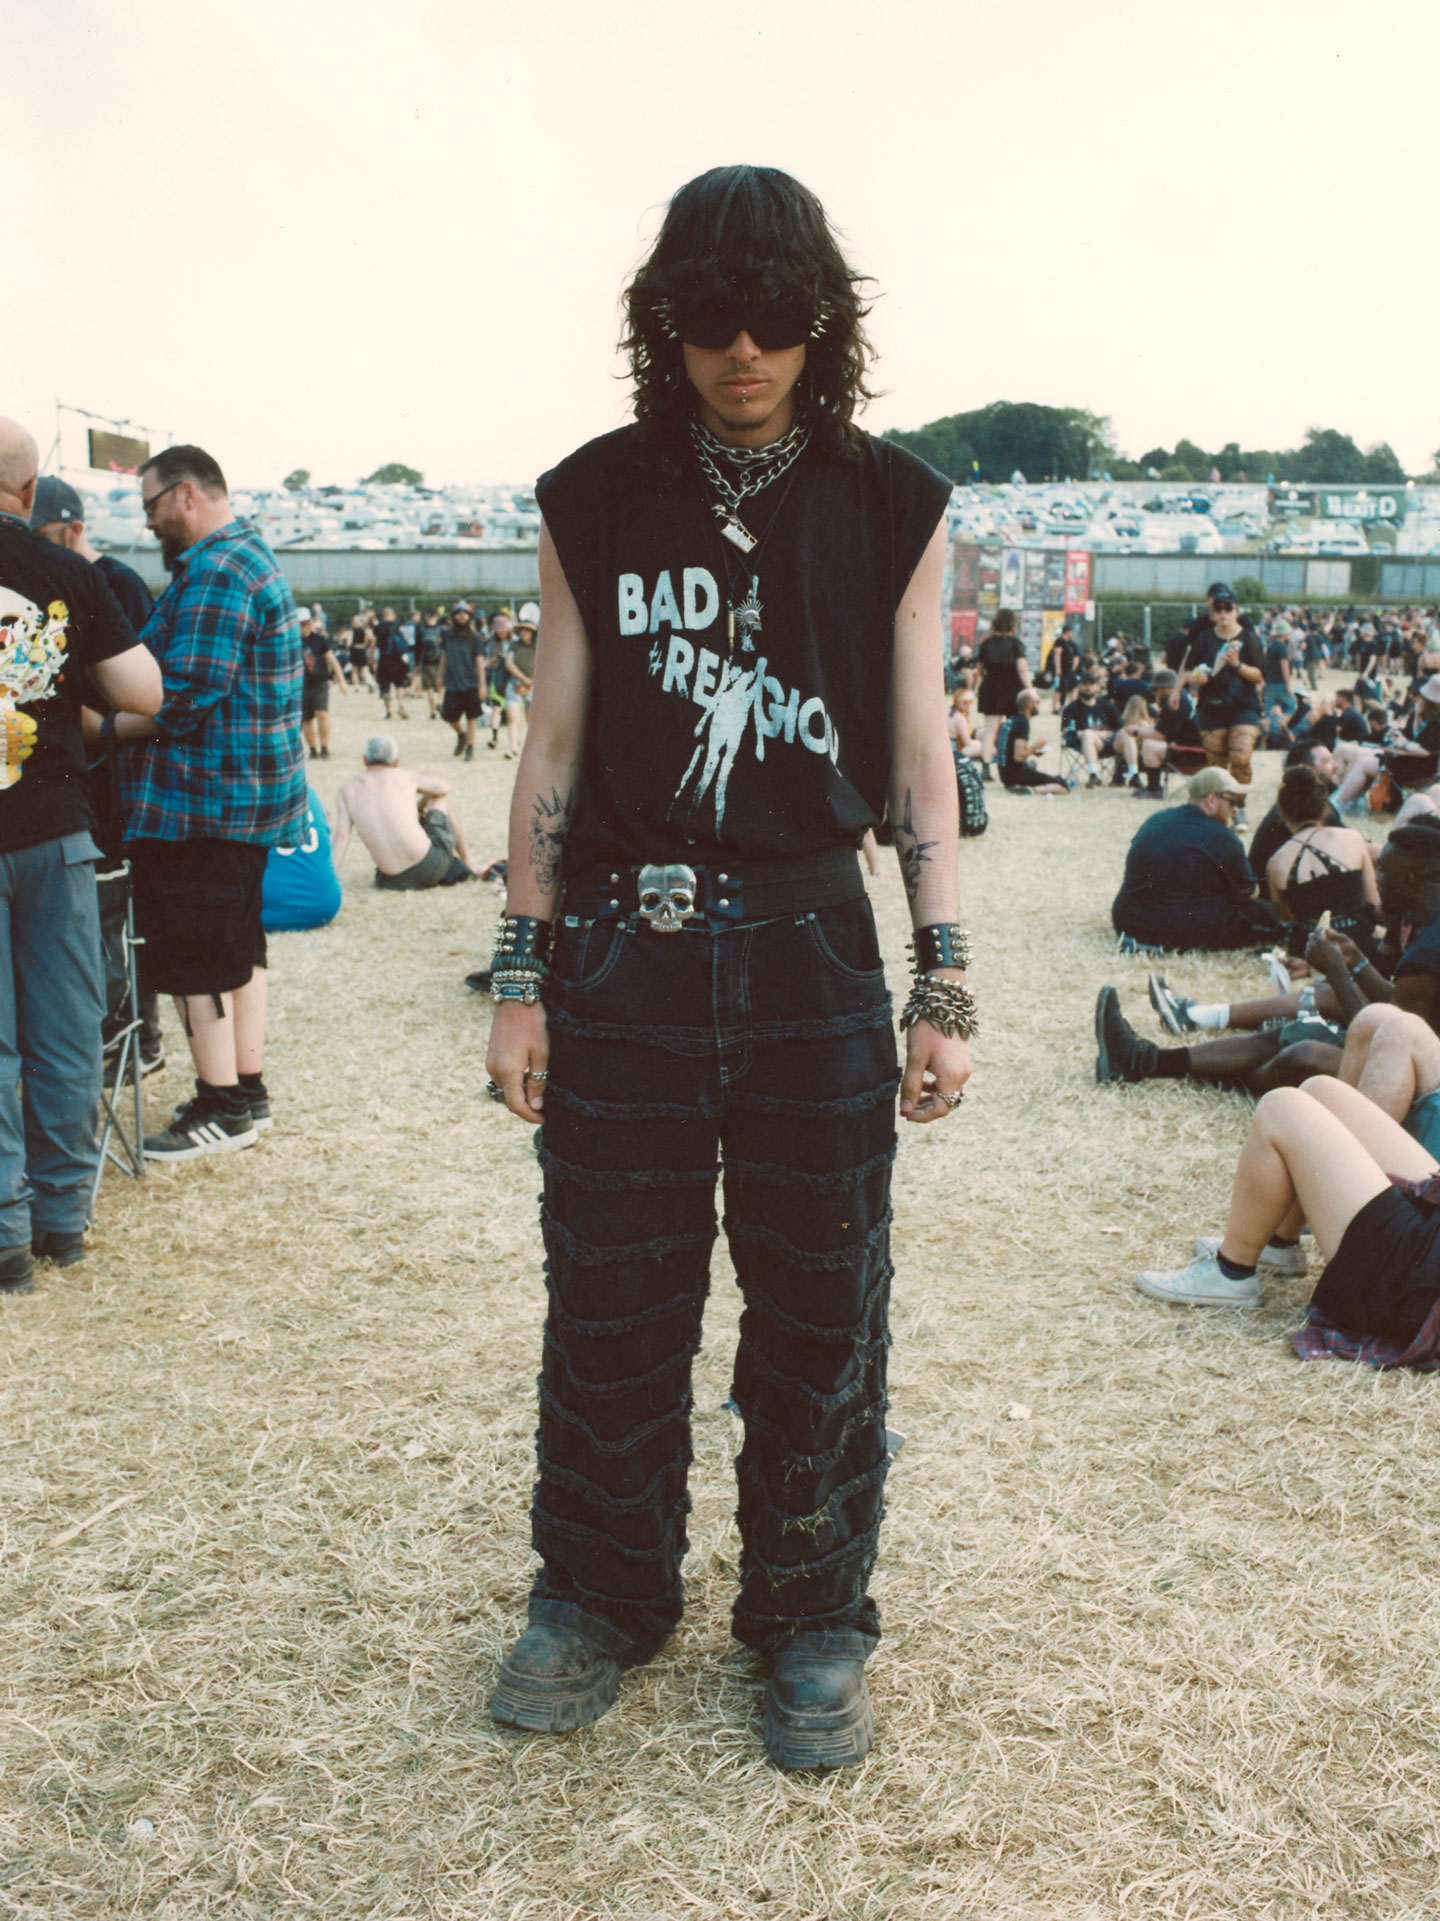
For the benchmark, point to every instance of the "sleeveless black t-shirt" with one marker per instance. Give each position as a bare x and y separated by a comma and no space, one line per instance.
699,750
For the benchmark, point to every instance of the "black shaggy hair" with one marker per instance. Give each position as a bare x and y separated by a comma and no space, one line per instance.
753,231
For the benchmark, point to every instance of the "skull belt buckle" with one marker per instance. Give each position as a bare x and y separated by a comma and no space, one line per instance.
667,897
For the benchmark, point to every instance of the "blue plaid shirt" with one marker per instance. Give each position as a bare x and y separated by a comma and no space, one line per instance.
226,761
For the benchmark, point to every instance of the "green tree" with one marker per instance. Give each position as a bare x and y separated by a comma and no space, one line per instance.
298,481
1327,455
395,474
1382,464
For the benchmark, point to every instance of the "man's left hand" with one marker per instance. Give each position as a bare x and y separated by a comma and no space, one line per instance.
936,1064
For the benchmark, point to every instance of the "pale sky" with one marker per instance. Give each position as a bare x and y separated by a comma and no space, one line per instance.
330,233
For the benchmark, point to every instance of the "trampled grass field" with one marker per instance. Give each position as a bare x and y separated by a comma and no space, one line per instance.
1160,1601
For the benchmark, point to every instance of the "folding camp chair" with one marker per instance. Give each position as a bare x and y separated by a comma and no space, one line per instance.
120,1086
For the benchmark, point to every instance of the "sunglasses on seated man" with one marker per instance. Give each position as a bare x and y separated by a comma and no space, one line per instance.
774,323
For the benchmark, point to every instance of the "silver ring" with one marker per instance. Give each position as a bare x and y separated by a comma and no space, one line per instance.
952,1100
495,1091
536,1074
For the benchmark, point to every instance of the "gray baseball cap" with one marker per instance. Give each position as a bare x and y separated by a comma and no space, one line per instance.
55,499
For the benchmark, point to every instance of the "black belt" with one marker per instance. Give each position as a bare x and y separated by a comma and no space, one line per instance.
673,894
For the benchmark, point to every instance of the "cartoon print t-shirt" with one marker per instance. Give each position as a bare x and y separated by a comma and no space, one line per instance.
761,737
57,617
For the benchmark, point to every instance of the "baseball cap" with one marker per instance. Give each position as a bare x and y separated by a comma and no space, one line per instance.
55,499
529,615
1220,590
304,613
462,607
1430,690
1215,780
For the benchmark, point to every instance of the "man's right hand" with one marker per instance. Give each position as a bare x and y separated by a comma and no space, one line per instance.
520,1048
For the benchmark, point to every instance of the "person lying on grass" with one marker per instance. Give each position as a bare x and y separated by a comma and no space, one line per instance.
1324,1154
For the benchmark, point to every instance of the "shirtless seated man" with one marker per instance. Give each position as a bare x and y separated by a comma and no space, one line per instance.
413,838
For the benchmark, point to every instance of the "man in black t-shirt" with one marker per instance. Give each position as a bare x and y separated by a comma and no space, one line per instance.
741,672
392,664
1187,882
428,652
462,650
59,622
1092,725
321,671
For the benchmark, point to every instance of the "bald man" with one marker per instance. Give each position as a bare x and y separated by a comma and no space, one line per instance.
59,622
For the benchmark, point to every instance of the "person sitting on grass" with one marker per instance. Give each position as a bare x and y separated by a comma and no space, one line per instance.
1320,869
1187,882
1018,751
403,822
1272,833
1323,1154
1172,735
1092,726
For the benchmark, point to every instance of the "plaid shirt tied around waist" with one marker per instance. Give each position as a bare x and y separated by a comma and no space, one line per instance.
226,761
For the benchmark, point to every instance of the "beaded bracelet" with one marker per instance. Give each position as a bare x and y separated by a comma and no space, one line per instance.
943,945
519,965
945,1005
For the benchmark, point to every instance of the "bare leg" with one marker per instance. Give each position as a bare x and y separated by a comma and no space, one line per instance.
470,735
990,728
322,727
1299,1151
1362,770
869,847
1394,1060
1242,750
1129,748
1234,1058
211,1036
251,1001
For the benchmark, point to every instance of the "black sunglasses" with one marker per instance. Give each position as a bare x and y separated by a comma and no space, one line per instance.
1223,606
785,320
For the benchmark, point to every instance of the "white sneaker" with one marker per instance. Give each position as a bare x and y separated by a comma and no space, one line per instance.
1277,1260
1201,1284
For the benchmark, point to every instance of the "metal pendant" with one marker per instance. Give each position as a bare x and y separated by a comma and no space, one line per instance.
746,617
735,532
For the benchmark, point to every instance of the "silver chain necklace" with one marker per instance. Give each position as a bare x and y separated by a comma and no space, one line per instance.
758,467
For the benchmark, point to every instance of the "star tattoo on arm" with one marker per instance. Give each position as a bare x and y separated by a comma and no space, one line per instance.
549,824
914,853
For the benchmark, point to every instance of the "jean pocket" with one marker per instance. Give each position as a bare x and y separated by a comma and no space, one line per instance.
76,849
586,953
845,941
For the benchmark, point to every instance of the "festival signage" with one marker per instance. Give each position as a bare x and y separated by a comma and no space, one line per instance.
1053,626
1035,558
1012,579
989,578
1054,578
1032,635
963,622
1077,580
117,453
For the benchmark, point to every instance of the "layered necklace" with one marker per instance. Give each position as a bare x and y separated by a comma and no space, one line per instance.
737,473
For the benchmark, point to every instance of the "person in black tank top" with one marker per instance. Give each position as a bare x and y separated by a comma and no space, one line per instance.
739,673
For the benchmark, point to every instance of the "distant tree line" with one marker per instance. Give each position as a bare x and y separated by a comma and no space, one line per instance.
1067,443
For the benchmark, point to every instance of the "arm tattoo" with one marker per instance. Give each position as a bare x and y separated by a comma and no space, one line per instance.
914,853
549,824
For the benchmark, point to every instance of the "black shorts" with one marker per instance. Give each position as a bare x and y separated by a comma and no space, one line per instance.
197,909
460,703
392,673
314,698
1385,1276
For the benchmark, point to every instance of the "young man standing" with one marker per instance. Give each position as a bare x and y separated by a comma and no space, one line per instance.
742,670
462,655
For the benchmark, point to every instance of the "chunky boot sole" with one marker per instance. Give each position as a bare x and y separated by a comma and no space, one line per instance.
555,1704
796,1739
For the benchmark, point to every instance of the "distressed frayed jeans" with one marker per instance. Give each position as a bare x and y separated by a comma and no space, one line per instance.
767,1046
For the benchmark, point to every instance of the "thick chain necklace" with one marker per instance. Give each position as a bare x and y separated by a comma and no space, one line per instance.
755,468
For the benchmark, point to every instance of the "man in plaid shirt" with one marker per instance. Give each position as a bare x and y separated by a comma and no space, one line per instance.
211,784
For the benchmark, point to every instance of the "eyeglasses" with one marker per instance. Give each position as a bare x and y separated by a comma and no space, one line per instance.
1223,606
786,320
148,506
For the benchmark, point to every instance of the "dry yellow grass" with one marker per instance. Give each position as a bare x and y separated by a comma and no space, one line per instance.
1163,1646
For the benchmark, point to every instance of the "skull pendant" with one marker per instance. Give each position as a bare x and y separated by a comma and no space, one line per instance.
667,897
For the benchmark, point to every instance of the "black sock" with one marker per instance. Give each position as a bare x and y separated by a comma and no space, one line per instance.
253,1083
1232,1270
1279,1240
1172,1063
231,1098
1152,779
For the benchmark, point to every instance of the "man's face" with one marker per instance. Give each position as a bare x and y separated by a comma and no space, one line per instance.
460,618
1323,761
167,507
744,391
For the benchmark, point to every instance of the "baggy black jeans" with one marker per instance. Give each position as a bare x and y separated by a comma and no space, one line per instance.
769,1045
